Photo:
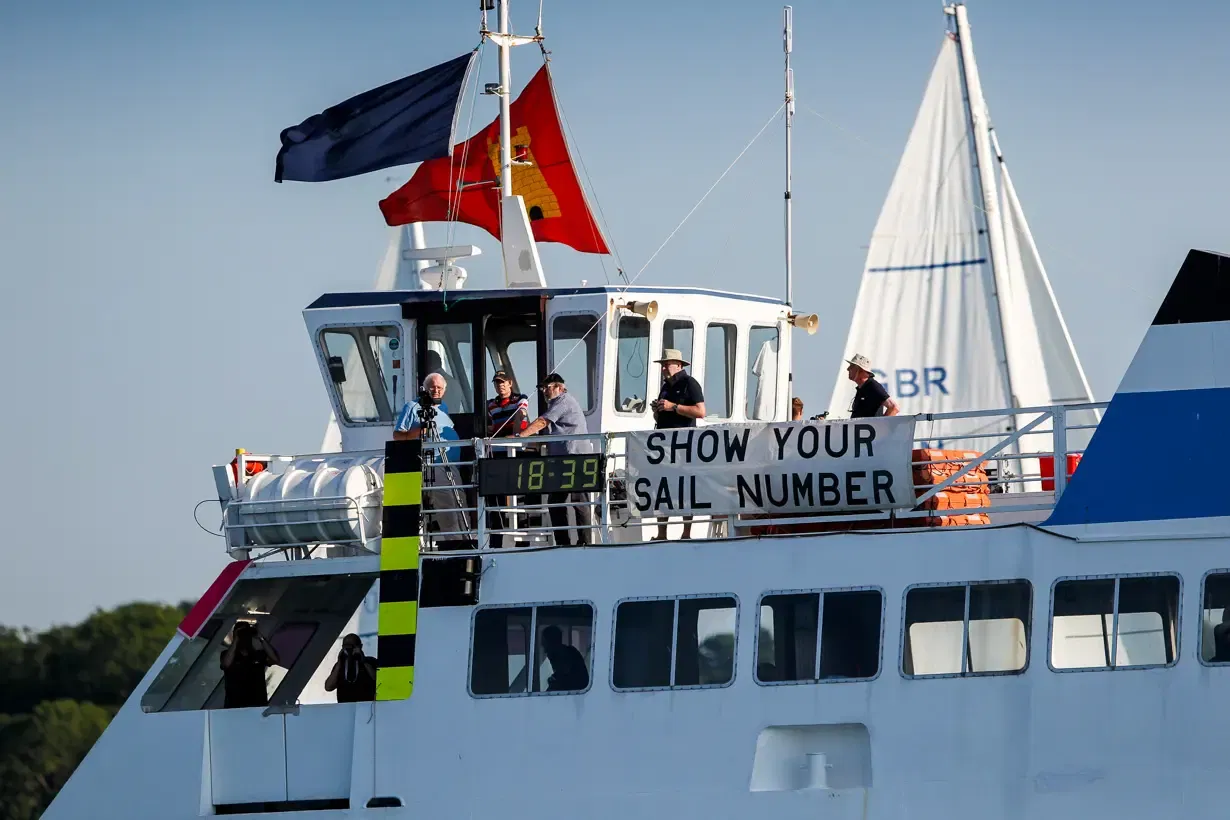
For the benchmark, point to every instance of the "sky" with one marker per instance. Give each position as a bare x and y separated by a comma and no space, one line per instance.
154,275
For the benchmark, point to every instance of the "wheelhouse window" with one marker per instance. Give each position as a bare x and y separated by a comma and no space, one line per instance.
967,629
574,355
512,346
632,364
1215,619
762,346
532,650
810,637
677,334
359,361
675,643
720,352
1115,623
303,618
450,352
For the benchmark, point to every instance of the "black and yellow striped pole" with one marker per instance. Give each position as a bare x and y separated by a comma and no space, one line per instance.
399,569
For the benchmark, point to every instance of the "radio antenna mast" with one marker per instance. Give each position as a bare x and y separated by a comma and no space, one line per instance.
787,46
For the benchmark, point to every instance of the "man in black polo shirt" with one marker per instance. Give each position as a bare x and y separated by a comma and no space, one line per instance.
870,399
680,403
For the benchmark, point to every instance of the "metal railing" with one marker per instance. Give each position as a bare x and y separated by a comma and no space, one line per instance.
1010,458
999,475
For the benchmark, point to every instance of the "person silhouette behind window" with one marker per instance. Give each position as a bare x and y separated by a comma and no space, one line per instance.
569,672
1221,639
243,667
354,674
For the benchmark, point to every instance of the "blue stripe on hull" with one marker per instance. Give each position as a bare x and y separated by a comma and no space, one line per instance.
1155,456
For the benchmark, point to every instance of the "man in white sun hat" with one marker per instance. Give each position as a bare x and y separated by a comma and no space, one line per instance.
870,399
680,403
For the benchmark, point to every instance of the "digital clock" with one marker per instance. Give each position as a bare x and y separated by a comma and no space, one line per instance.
541,474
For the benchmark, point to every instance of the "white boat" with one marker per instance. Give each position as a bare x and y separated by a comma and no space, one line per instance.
1054,654
954,308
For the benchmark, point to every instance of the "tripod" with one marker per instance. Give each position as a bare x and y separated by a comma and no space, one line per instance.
439,471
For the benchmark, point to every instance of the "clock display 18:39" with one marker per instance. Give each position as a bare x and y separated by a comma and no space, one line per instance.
540,474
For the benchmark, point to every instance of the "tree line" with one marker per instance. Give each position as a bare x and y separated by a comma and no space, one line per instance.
60,688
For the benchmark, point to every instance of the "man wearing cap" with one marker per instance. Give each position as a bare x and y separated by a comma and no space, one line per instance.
870,399
680,403
507,416
508,413
563,417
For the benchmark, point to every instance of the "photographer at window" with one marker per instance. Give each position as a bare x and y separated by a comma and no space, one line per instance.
430,404
354,674
243,667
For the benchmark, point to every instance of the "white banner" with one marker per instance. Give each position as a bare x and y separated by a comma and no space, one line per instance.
789,467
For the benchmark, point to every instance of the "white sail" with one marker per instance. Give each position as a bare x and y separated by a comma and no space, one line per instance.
1065,381
396,273
924,314
955,310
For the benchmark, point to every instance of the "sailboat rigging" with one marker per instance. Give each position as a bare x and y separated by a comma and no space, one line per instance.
955,308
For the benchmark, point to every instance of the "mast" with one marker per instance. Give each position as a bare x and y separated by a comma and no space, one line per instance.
787,46
522,264
505,48
980,127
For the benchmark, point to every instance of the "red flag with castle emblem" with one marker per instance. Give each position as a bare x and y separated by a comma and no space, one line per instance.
553,198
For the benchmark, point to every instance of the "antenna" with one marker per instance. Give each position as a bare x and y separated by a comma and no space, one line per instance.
788,46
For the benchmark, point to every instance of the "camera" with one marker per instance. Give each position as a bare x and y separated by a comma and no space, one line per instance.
427,407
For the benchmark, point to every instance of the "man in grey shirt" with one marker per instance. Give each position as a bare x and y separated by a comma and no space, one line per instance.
564,418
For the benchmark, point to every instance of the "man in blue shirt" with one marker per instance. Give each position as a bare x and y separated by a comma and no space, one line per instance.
564,417
409,426
440,473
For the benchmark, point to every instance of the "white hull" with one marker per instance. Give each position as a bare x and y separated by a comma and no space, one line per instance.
1042,744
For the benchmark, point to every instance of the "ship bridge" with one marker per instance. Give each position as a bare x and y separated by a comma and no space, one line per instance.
374,349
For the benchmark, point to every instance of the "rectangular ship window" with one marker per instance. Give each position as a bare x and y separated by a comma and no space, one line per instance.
719,387
819,636
574,355
677,335
1215,619
558,637
762,349
967,629
632,364
359,365
1115,623
672,643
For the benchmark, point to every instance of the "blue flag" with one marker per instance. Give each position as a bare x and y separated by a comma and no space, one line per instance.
408,120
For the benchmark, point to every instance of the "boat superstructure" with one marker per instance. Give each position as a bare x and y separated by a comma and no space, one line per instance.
859,627
1062,661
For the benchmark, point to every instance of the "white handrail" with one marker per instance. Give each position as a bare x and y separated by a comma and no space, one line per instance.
611,513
